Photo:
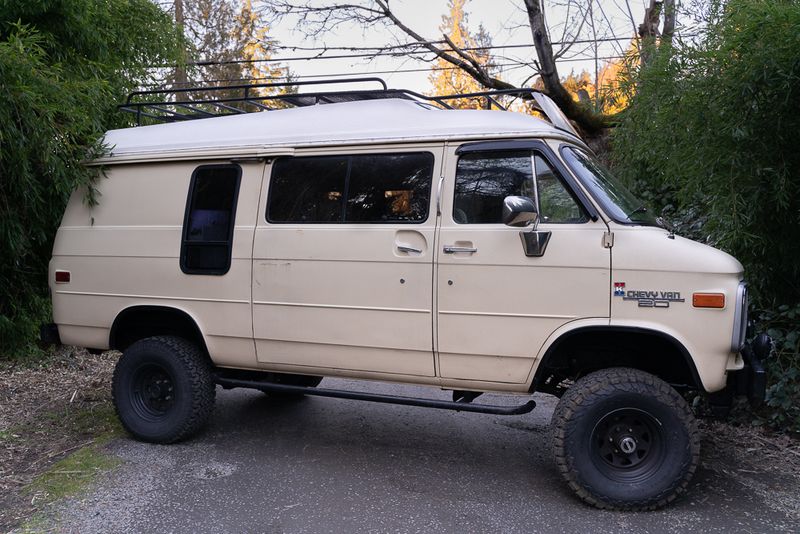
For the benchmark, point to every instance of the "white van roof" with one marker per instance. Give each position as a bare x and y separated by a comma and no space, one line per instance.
347,123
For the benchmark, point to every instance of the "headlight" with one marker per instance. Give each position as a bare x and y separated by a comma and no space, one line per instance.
740,318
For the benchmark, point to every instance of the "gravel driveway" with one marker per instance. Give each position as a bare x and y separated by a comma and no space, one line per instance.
329,465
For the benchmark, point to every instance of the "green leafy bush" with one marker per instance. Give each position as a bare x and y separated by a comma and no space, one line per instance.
710,140
64,65
784,392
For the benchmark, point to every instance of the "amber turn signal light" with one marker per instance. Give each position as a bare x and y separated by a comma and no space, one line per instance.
708,300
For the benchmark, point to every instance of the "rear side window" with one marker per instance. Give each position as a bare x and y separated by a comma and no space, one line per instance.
209,220
369,188
309,190
485,179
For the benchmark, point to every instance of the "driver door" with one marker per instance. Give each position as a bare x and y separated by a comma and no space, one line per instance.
496,306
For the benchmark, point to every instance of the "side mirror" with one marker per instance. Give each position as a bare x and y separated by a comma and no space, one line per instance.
519,212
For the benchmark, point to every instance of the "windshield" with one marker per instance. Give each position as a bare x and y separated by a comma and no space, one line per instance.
617,201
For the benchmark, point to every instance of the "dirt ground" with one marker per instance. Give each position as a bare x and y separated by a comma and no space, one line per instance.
51,409
48,410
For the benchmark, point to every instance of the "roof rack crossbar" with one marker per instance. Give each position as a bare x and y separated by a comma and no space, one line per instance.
175,114
230,108
258,105
139,113
194,109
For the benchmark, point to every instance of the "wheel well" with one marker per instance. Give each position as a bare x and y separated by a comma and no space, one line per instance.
139,322
589,349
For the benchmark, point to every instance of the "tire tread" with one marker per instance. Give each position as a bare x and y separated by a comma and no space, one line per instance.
602,385
198,371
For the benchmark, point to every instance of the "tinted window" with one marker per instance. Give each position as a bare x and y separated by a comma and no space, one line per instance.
309,190
358,189
209,221
485,179
385,188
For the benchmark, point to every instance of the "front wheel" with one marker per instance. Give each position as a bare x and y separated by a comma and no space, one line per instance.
163,389
625,440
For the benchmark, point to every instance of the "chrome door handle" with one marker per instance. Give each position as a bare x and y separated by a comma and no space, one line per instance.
450,249
407,249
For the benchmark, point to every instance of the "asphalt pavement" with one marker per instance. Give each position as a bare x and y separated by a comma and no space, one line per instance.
340,466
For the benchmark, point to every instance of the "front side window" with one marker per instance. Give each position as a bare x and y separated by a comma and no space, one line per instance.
209,221
485,179
369,188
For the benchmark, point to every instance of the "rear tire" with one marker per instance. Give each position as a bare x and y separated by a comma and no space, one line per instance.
625,440
163,389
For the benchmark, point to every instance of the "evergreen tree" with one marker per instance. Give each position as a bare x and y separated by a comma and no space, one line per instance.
449,80
229,42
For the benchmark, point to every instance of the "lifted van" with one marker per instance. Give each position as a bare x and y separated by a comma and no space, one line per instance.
380,235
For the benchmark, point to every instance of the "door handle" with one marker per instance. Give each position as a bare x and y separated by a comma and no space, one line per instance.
451,249
408,249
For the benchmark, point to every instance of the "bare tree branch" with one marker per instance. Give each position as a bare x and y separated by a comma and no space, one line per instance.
316,20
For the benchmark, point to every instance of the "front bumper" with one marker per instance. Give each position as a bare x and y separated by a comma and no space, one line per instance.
751,380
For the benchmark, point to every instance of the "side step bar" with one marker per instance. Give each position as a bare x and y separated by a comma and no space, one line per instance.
375,397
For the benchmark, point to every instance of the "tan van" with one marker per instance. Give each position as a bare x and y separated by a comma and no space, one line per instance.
382,236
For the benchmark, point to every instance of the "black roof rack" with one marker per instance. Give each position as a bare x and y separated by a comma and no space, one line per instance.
197,102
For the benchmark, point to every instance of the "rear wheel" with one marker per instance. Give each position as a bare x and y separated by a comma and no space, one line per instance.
625,439
163,390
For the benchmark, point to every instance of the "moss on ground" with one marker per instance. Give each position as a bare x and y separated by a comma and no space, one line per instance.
72,475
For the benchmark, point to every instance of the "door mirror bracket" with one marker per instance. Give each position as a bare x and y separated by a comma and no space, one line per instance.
535,242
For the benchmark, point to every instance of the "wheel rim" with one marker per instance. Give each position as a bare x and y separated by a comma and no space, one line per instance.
152,395
627,445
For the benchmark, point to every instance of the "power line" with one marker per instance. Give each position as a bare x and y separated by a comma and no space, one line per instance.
438,42
350,74
378,51
212,63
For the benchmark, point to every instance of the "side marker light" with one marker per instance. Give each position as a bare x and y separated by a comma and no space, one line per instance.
708,300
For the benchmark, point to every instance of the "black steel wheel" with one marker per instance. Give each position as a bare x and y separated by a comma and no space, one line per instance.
153,392
163,390
628,445
625,439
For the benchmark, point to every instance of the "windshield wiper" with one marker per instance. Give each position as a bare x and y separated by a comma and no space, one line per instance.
640,209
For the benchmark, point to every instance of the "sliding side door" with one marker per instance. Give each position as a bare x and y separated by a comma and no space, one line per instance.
343,262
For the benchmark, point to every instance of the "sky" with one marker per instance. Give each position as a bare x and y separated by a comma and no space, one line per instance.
505,20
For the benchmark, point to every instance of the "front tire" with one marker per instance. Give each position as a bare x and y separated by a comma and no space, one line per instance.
625,440
163,389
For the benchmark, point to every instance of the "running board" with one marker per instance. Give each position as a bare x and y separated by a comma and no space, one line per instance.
375,397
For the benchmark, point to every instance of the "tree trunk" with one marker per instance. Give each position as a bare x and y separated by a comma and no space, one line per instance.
669,22
588,121
180,69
